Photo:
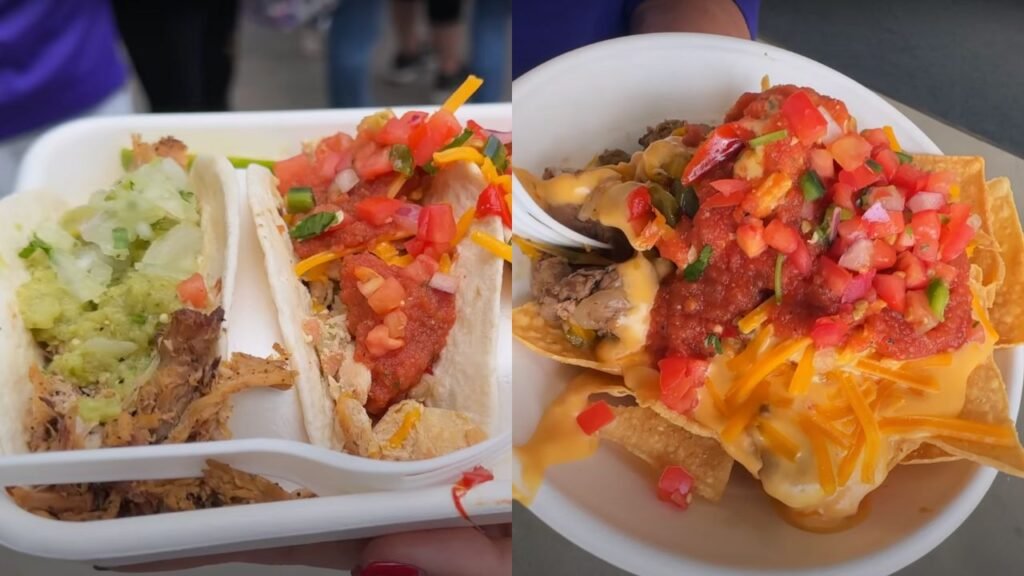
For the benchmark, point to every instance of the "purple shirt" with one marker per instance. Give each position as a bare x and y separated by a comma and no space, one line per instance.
543,29
58,58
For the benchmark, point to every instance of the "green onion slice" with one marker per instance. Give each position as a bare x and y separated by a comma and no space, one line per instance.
768,138
694,270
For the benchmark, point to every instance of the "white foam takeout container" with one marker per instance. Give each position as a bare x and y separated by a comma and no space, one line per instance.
363,497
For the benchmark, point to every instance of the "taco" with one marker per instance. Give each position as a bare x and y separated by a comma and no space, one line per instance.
381,261
113,309
817,300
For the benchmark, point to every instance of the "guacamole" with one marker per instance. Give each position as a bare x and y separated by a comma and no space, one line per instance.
104,281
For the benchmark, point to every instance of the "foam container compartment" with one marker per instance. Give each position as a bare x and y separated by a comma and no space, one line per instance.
369,497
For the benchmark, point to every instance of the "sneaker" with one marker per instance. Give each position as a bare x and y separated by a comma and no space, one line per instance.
405,68
447,83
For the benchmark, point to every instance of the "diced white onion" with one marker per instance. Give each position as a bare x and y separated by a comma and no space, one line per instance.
444,282
926,201
858,256
876,213
346,180
832,130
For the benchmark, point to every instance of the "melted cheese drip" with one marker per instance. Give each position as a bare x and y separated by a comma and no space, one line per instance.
640,283
566,188
797,482
558,439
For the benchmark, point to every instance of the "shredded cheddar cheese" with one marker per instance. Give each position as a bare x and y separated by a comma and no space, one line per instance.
462,226
492,245
822,457
526,248
396,186
849,461
405,428
958,428
505,181
828,429
893,142
303,267
445,263
716,398
872,436
461,153
463,93
954,192
741,417
752,351
756,317
877,369
385,251
488,170
803,374
764,365
777,441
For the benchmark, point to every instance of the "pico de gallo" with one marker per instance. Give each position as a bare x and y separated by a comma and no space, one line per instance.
369,246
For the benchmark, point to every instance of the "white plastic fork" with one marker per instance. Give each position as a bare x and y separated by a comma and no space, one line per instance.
325,472
533,223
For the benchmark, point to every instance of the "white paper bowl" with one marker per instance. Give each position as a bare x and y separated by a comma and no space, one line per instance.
603,96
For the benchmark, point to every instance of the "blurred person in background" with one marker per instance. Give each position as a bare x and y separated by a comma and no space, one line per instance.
183,51
547,28
58,60
355,28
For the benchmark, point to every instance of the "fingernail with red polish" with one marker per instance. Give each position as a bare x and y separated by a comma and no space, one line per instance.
387,569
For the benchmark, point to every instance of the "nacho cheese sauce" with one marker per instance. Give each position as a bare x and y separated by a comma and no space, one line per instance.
558,439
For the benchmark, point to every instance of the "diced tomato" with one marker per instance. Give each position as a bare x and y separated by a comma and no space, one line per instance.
396,321
913,270
721,200
894,225
332,155
674,248
192,291
397,130
889,197
730,186
888,160
842,195
909,178
892,289
904,240
850,151
638,202
491,202
955,239
940,181
876,137
594,417
800,259
944,271
428,137
436,224
377,210
828,332
919,312
883,255
675,485
781,237
835,276
372,161
389,296
804,120
750,237
859,177
721,144
421,269
293,172
379,342
852,228
823,163
926,226
680,379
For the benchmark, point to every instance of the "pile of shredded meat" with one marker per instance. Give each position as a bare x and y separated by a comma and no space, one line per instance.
186,399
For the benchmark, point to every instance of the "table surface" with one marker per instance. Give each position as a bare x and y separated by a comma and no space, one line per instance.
990,541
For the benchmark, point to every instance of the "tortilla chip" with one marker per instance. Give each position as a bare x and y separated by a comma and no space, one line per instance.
547,339
411,431
1008,310
970,171
660,443
928,454
986,402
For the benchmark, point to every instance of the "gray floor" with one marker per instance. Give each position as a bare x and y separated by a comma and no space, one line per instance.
957,60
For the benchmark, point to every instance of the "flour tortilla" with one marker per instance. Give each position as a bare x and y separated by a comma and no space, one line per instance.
464,379
212,179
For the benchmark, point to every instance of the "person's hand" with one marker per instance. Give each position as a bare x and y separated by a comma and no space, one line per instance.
441,552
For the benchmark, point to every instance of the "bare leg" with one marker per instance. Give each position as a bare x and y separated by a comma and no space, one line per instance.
403,18
448,45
